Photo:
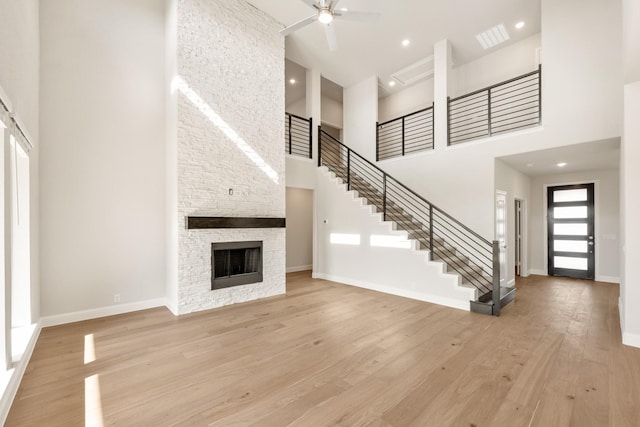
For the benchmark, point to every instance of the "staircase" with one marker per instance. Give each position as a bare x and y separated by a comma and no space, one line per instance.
462,251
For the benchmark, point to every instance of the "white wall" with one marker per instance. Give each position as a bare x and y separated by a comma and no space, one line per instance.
299,229
172,222
500,65
581,99
360,103
20,82
405,101
299,108
332,112
582,69
20,58
517,186
629,177
607,220
103,157
399,271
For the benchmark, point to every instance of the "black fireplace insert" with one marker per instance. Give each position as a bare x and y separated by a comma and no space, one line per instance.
235,264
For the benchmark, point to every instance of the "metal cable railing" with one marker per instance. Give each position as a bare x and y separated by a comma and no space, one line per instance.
297,135
404,135
465,252
504,107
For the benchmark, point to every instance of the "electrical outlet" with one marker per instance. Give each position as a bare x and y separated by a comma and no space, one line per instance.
116,298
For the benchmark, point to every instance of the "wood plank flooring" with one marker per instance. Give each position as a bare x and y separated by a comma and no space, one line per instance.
330,354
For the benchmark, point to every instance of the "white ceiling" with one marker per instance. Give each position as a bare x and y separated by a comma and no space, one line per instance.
579,157
367,49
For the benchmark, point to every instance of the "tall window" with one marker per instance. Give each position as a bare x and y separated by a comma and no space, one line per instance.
15,260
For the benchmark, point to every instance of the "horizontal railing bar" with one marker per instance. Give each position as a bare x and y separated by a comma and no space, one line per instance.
296,116
405,116
531,73
513,123
533,114
529,89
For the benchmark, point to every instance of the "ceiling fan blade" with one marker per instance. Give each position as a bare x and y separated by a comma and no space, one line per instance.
353,15
309,2
294,27
330,31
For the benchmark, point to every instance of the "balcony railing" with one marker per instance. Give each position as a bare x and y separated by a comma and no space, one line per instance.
504,107
297,135
404,135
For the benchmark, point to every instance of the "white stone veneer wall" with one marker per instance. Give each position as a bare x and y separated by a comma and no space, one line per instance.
231,56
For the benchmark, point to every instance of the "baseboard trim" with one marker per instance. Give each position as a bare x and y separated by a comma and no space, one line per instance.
537,272
77,316
420,296
299,268
16,374
608,279
629,339
632,340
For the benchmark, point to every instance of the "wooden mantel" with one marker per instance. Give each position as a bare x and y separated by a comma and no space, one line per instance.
204,222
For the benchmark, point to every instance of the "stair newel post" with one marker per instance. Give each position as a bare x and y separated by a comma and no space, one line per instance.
496,278
377,142
289,115
310,138
489,111
403,136
384,196
319,147
431,232
348,169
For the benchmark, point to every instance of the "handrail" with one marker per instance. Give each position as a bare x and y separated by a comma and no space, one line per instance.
493,86
405,116
297,135
463,250
411,133
513,104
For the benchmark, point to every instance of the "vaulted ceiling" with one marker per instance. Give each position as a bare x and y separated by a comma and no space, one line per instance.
366,49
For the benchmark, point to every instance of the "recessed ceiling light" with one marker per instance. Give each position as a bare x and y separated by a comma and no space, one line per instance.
292,81
493,36
344,9
520,25
406,42
530,165
392,83
561,164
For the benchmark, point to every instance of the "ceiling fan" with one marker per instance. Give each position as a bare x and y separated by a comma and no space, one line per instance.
325,13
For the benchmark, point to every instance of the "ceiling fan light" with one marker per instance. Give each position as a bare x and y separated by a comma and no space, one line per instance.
325,16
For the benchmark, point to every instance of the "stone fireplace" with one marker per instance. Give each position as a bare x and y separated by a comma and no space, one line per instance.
226,162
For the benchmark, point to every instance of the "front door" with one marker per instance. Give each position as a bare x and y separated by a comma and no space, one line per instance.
571,245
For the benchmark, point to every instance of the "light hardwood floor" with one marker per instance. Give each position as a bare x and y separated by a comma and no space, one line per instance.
330,354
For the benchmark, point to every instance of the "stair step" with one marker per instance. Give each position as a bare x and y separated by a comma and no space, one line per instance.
484,304
454,261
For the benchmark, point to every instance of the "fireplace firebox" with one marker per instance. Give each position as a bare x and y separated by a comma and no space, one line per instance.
235,264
